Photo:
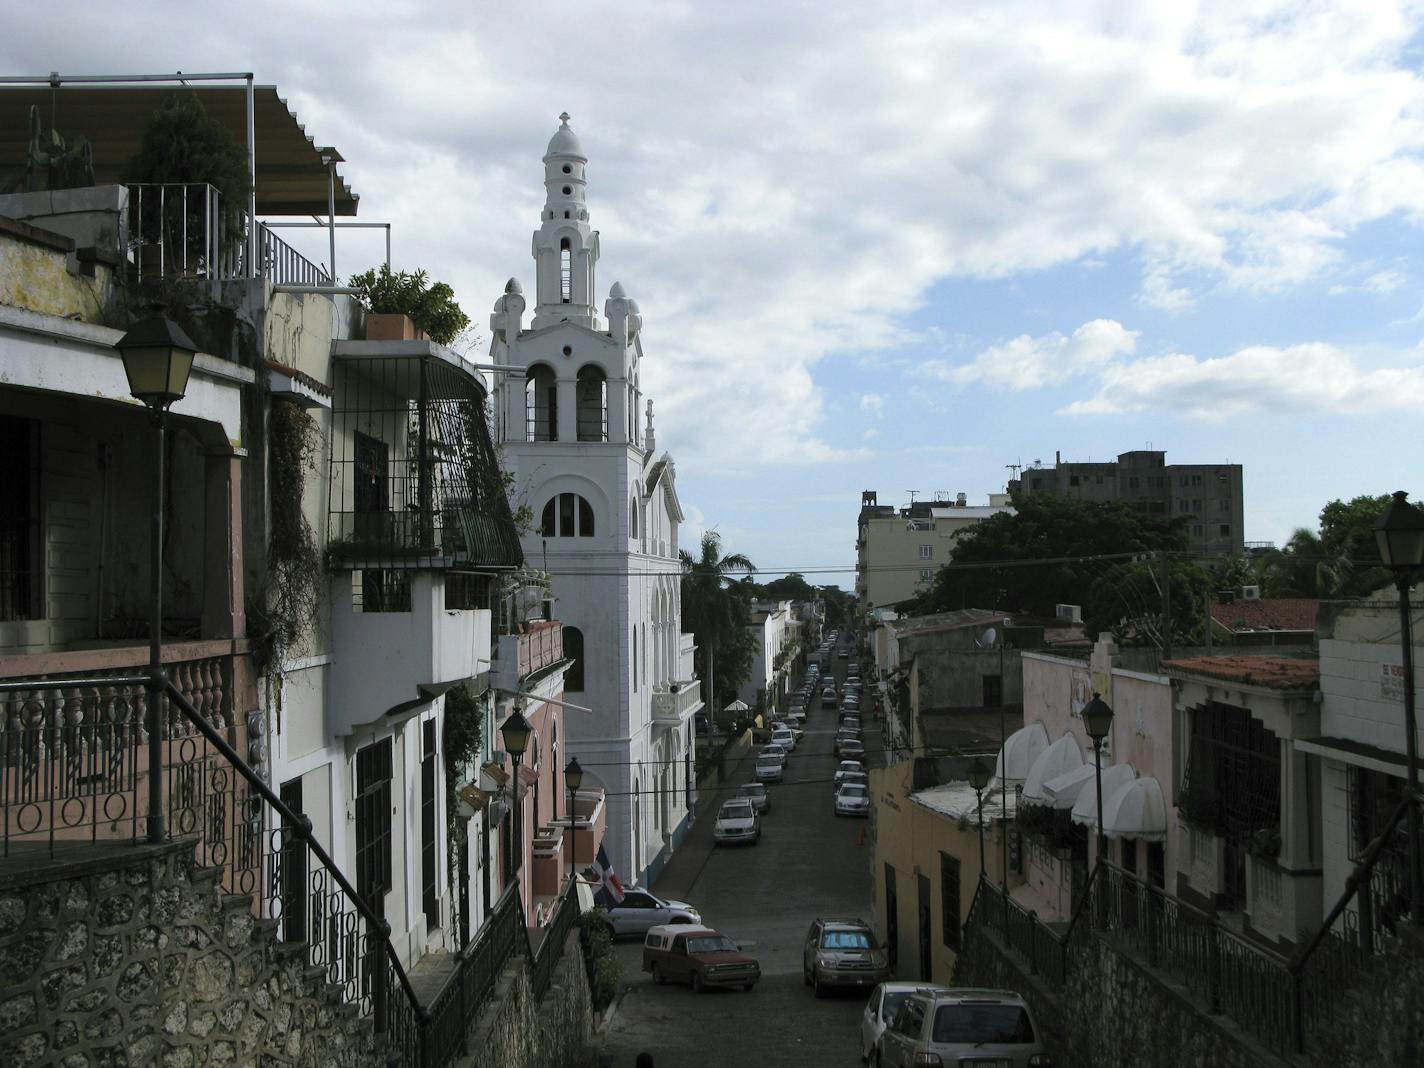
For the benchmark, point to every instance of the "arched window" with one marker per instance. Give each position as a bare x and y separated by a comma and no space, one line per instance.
573,650
591,404
541,404
567,516
633,519
566,272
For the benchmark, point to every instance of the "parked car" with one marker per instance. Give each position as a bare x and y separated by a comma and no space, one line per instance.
948,1026
782,735
855,778
828,697
640,910
848,767
842,953
778,751
757,794
699,956
852,799
885,1001
850,749
737,821
849,722
768,767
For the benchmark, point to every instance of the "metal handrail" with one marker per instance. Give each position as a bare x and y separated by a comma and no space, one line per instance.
302,825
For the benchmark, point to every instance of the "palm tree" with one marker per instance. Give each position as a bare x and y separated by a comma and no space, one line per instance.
708,606
1304,569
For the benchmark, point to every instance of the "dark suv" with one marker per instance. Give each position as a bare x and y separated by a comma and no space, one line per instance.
842,953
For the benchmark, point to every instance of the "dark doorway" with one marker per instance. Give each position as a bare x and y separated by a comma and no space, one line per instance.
993,691
429,897
373,823
892,918
926,963
293,881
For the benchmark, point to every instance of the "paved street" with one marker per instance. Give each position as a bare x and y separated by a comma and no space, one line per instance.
809,863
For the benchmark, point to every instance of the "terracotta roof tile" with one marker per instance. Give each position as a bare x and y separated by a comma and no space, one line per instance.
1275,672
1268,613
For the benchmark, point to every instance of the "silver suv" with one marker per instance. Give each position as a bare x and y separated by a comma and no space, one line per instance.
961,1025
842,953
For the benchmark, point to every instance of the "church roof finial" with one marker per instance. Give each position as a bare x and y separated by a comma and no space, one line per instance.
565,142
564,117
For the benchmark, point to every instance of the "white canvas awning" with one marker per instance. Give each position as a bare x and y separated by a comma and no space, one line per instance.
1060,758
1085,809
1020,750
1063,791
738,706
1138,810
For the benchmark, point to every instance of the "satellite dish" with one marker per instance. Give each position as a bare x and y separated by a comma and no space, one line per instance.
987,639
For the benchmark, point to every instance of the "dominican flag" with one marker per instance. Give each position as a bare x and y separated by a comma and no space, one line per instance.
608,890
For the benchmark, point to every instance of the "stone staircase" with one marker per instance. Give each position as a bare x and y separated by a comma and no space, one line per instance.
135,954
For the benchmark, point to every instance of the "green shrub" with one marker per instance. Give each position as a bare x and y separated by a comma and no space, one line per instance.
604,973
431,308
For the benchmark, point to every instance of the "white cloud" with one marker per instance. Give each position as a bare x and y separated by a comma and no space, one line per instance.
779,182
1381,283
1031,362
873,404
1298,379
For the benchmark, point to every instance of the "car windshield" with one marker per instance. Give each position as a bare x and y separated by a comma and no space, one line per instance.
982,1023
737,810
768,759
711,944
845,940
893,1000
852,790
754,790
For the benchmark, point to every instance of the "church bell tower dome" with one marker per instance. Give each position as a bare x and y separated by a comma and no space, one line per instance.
565,246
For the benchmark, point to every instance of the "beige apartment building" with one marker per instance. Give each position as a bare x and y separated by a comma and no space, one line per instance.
899,549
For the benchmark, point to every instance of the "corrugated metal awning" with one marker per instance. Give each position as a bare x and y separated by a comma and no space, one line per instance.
292,177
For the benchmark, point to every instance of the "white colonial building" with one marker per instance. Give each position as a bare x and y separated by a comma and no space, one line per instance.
606,515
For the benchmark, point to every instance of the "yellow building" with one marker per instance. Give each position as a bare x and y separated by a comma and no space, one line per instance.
899,549
926,866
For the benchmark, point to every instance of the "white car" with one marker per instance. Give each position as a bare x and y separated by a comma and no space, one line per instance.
852,800
784,737
737,821
778,751
640,910
848,767
885,1001
769,767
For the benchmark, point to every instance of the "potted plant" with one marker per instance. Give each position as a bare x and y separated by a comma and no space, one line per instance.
401,305
184,146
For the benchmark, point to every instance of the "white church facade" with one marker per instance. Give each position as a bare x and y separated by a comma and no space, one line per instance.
577,434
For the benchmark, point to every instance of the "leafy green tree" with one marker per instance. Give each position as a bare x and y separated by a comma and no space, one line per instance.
1342,560
1130,600
1056,533
715,606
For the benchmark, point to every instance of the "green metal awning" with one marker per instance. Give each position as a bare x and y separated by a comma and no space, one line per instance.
292,176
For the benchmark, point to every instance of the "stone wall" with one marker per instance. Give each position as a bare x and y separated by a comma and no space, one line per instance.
513,1031
1114,1013
132,955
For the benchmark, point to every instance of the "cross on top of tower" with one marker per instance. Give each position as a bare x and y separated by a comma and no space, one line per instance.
564,117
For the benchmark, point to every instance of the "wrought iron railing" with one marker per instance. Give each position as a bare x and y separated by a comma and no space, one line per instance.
551,949
182,229
477,967
285,266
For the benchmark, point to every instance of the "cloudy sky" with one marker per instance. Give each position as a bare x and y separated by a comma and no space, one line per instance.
900,246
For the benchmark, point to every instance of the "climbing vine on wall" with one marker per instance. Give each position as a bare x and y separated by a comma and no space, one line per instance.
464,740
288,606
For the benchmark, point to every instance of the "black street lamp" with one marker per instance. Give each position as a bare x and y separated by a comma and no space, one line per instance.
158,357
1097,721
978,779
1400,534
516,731
573,779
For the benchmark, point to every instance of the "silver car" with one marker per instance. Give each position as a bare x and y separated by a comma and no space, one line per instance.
852,799
885,1001
737,822
842,953
757,794
961,1024
640,910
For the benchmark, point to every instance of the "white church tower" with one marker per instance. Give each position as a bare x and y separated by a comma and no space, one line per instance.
572,425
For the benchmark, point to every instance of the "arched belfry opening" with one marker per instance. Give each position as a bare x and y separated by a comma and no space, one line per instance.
566,271
541,404
591,402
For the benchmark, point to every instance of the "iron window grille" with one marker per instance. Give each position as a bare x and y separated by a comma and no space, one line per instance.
414,478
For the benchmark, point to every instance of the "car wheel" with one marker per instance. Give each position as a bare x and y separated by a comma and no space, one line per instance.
658,976
697,982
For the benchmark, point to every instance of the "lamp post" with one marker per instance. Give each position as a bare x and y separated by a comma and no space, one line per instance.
1097,721
158,357
573,779
978,779
1400,534
515,731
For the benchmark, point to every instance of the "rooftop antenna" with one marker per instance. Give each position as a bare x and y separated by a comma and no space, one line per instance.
912,495
1014,469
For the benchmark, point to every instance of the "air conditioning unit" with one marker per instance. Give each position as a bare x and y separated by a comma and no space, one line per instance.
1073,613
1250,593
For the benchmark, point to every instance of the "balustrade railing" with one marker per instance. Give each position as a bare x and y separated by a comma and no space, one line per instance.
285,266
546,957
